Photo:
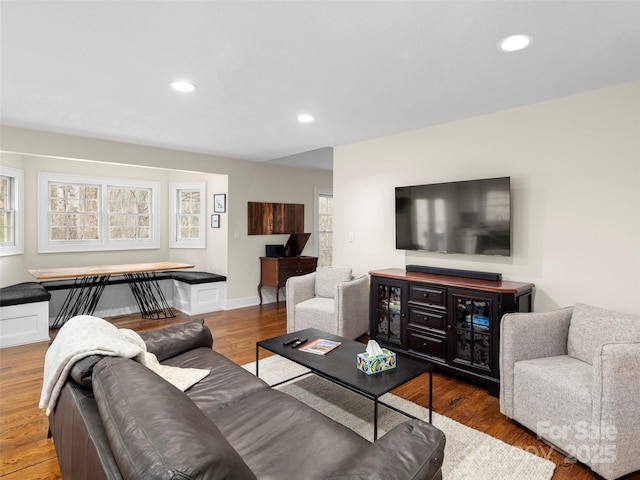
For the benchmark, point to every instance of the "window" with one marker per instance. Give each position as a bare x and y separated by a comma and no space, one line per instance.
93,213
74,212
129,213
187,211
324,224
11,211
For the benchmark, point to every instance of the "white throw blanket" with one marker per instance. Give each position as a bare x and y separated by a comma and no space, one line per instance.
86,335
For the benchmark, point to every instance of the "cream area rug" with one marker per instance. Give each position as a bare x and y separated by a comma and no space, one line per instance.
469,454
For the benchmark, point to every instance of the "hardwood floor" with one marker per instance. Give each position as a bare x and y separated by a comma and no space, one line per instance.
26,453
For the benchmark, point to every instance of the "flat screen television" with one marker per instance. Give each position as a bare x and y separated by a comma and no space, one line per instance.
469,217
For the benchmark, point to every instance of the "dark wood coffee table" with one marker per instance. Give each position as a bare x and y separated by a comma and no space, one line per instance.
339,366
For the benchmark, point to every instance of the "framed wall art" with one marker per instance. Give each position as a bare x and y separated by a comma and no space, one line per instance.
215,220
220,202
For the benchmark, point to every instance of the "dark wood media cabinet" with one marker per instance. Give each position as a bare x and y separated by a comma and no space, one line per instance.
452,322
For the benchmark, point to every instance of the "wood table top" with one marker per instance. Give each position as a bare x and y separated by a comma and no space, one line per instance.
101,270
500,286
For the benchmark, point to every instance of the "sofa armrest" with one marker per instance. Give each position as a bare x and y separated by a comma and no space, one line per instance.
164,343
525,336
170,341
411,450
352,307
614,418
297,290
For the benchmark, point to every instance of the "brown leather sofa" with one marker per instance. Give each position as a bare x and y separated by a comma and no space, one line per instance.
117,419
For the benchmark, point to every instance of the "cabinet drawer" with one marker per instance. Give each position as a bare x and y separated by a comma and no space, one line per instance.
307,267
427,318
286,272
432,346
288,262
427,294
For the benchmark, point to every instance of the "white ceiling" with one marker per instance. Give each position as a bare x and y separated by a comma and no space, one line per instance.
364,69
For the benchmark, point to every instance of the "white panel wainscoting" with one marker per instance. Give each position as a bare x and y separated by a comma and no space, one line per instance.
24,323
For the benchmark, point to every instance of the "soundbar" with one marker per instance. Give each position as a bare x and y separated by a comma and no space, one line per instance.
455,273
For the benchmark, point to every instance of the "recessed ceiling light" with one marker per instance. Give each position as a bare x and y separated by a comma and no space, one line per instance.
182,86
515,43
305,118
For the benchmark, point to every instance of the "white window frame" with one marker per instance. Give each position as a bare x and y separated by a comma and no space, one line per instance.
16,247
45,245
319,192
174,211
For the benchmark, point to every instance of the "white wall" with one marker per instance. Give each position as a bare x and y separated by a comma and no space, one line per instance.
246,181
574,165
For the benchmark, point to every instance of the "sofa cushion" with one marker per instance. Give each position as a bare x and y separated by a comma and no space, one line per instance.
592,326
156,431
170,341
328,279
280,437
226,384
405,442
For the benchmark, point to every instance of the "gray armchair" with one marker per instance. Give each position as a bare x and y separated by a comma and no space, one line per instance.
329,299
573,377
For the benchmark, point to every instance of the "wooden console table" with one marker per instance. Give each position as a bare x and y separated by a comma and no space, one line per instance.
274,272
89,282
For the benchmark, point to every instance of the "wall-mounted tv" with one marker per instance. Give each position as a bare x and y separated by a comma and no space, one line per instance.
472,217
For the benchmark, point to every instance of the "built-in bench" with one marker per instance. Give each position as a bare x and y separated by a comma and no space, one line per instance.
24,314
24,308
195,292
198,292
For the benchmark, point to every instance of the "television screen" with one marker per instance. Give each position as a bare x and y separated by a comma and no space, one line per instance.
471,217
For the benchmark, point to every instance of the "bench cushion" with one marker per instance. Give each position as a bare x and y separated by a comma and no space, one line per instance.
194,278
28,292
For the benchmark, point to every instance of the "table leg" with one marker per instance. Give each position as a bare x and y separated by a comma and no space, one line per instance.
375,419
82,299
148,294
257,362
430,394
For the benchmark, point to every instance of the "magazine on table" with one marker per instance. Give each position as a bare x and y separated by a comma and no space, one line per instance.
319,346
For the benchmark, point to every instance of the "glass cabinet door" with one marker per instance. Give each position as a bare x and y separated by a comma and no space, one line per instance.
389,308
472,344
